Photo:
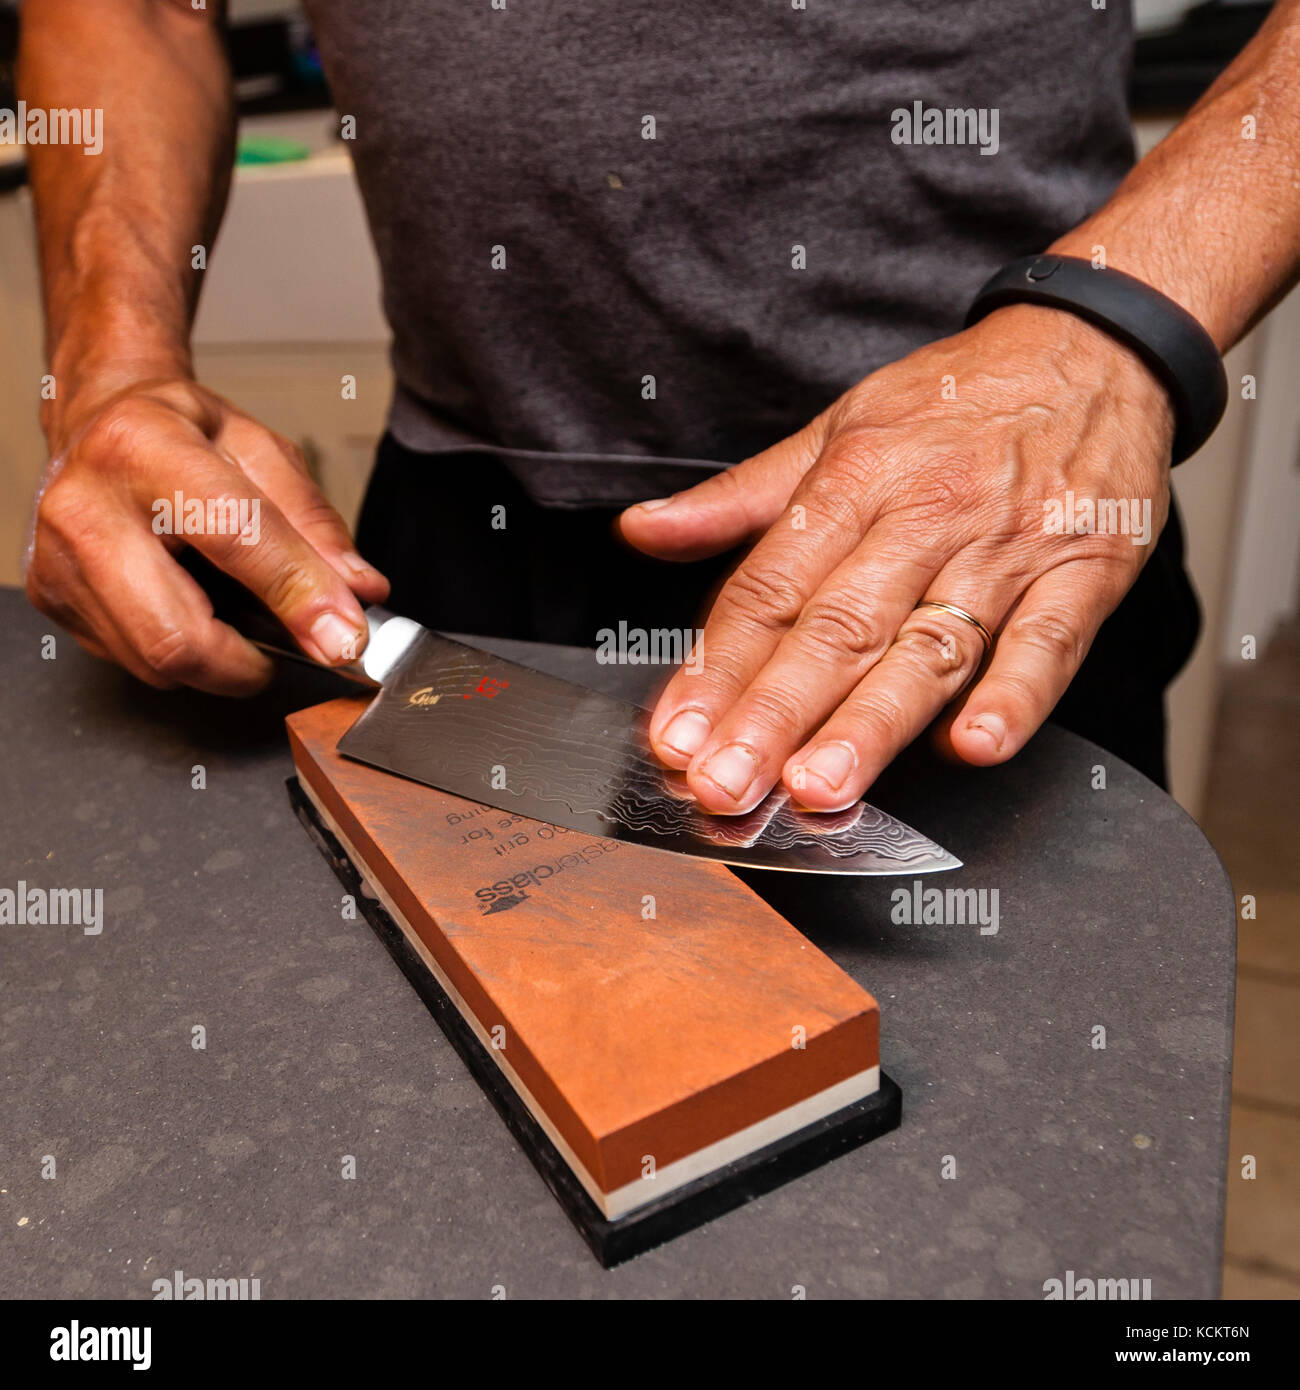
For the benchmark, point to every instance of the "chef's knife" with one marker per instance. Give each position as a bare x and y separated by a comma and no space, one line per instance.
533,745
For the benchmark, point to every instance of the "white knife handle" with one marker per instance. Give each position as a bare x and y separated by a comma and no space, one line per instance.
390,639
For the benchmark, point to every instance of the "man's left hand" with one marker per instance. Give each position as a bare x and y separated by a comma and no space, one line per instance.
937,477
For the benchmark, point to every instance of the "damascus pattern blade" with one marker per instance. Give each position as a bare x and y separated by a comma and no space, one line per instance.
533,745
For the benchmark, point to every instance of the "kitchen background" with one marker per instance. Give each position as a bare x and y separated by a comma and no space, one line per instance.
283,318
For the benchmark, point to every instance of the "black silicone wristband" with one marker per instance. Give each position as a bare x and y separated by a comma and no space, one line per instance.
1171,342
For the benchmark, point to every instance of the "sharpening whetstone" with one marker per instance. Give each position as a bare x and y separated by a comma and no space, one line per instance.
663,1043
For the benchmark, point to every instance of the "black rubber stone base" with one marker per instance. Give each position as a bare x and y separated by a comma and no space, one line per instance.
682,1210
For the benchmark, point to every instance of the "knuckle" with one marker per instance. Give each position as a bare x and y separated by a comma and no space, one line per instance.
772,707
1017,557
225,518
1052,633
291,452
834,501
118,428
292,587
938,654
187,399
1117,548
63,511
855,455
43,598
172,655
731,491
35,592
948,486
1014,693
838,623
762,595
730,481
319,515
879,718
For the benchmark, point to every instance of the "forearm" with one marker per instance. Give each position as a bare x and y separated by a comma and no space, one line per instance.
1211,217
116,230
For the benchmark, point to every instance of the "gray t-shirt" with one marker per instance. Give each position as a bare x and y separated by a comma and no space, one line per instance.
626,241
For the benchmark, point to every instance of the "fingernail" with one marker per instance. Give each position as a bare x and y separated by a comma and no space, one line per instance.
832,762
686,732
733,768
358,566
335,637
655,503
991,724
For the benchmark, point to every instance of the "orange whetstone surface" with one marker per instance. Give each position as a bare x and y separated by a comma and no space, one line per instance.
649,1004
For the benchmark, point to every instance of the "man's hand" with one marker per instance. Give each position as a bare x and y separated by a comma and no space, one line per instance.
98,565
927,481
128,428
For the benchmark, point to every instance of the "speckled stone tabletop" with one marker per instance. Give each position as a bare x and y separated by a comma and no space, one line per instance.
226,1161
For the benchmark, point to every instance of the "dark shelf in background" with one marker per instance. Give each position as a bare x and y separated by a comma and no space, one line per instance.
276,57
1173,68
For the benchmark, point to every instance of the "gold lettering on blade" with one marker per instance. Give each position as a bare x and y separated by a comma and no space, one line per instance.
423,696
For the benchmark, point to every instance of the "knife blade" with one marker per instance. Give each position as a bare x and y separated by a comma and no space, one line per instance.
533,745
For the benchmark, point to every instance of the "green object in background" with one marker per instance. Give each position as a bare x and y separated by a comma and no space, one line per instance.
269,149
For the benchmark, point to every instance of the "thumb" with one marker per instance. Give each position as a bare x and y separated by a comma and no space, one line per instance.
739,503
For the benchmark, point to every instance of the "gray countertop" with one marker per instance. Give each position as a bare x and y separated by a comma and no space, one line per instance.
226,1162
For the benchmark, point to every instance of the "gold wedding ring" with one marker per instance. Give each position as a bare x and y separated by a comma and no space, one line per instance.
966,617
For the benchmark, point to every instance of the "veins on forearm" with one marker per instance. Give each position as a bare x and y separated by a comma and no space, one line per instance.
116,232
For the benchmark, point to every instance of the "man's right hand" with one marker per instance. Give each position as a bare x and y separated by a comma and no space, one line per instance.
97,566
129,428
